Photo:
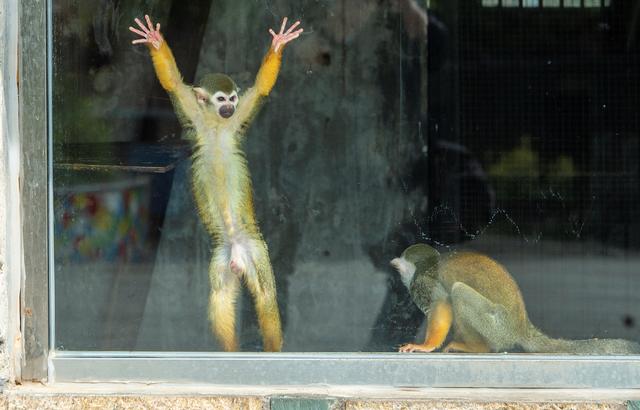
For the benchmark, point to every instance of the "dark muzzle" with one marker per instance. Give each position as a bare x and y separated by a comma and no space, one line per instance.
226,111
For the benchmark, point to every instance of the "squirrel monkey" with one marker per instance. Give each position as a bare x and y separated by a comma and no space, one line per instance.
478,298
215,120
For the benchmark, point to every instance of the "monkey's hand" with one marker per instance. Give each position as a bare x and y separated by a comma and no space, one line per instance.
283,37
410,348
150,36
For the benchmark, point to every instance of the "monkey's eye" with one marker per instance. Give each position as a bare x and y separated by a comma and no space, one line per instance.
233,98
221,99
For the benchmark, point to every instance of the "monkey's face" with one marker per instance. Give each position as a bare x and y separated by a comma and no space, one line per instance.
405,268
223,103
419,257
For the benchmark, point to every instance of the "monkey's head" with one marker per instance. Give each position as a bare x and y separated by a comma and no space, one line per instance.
219,92
419,258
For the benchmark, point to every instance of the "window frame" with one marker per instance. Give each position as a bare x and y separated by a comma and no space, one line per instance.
33,91
41,361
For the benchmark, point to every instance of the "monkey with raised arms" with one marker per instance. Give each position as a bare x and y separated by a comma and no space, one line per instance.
215,120
476,297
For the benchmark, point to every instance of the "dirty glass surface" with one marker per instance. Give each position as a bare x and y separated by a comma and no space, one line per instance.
508,128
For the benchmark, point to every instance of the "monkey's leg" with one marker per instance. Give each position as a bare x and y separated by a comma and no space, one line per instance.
224,291
440,319
482,324
263,289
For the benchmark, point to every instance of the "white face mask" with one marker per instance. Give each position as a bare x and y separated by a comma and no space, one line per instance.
405,268
224,104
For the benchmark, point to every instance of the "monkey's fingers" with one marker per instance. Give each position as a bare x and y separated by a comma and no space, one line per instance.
138,32
284,40
139,41
149,23
146,30
273,33
410,348
292,36
294,25
284,25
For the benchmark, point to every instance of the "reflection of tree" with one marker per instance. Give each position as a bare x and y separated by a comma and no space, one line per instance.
341,123
78,118
98,86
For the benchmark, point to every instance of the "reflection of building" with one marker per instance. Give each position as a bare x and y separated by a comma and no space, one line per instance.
103,221
559,74
546,100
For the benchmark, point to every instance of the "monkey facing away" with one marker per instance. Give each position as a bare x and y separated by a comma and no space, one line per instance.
477,298
215,120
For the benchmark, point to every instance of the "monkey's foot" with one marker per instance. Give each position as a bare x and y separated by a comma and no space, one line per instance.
410,348
455,346
466,347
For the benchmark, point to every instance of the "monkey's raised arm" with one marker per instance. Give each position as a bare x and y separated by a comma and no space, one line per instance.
268,73
166,68
251,100
164,63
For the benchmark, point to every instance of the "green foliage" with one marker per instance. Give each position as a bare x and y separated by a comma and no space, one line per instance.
522,161
79,119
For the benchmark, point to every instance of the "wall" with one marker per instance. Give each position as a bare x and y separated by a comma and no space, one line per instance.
10,257
312,398
3,213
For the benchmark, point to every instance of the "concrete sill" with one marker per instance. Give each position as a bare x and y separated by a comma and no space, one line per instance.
158,396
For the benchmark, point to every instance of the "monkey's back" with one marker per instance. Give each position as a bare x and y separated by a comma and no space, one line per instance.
486,276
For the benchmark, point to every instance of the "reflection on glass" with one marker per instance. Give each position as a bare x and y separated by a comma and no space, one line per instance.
550,3
475,130
510,3
490,3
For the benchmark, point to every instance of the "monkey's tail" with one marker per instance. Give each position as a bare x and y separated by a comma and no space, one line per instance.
538,342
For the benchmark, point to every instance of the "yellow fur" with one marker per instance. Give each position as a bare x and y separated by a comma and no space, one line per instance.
165,66
268,73
482,301
222,191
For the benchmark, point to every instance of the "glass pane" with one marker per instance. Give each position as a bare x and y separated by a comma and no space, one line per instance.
550,3
530,3
505,142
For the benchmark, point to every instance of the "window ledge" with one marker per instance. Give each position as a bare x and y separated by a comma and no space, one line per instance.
136,395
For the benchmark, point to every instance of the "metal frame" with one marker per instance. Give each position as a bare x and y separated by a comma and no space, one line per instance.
384,369
390,369
34,132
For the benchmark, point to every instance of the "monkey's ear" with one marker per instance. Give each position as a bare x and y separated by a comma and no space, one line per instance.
201,95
